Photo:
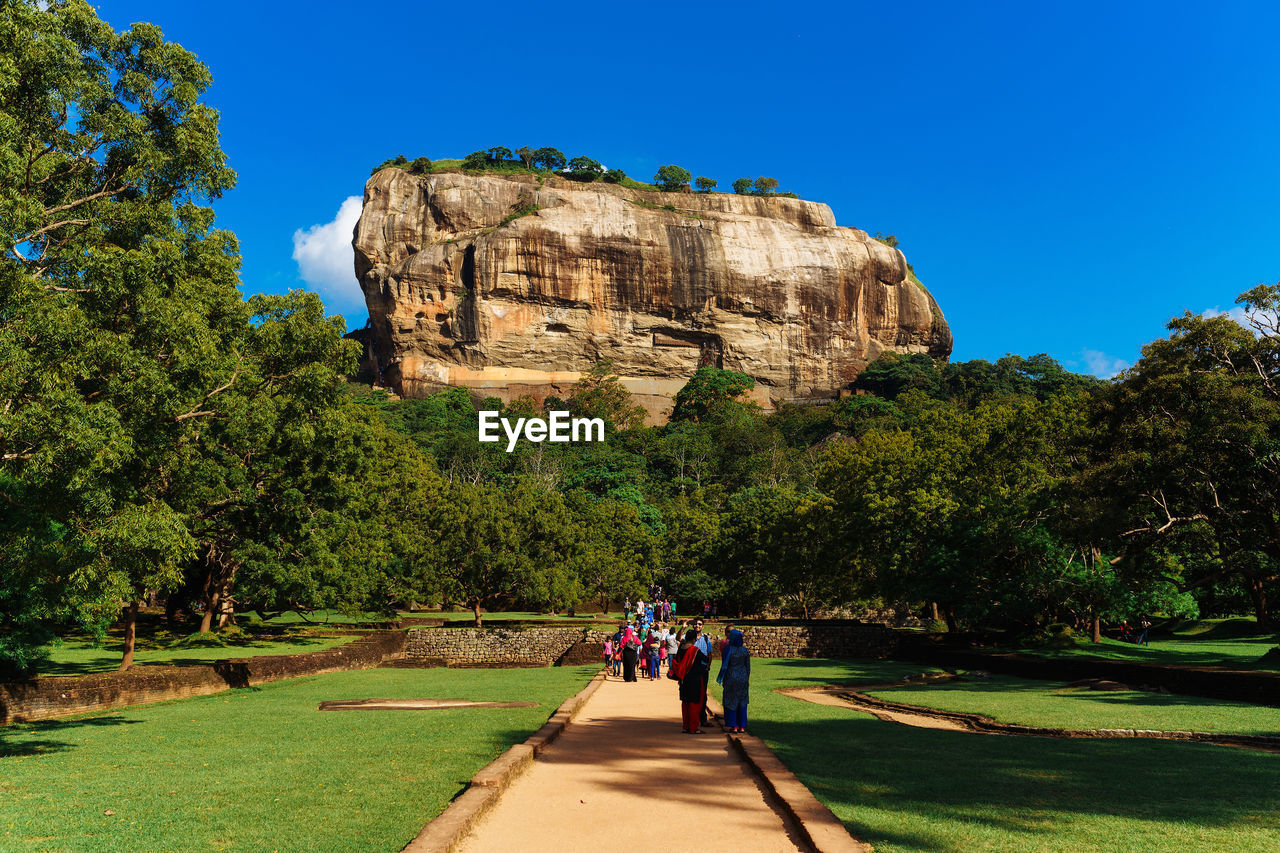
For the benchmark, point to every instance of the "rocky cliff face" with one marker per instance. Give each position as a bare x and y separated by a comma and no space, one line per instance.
511,286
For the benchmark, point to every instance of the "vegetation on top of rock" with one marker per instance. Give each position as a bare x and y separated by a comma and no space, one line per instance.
526,159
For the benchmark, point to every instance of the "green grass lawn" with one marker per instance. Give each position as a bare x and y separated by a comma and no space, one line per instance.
908,789
1232,642
79,656
1042,703
261,769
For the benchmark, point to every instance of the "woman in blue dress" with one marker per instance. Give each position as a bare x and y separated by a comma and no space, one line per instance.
735,675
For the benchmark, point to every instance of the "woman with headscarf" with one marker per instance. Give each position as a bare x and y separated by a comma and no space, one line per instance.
735,675
630,651
690,670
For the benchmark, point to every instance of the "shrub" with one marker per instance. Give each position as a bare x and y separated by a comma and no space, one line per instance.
614,176
475,161
420,166
742,186
398,160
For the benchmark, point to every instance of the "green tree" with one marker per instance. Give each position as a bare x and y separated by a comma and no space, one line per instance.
599,393
420,166
704,185
550,159
497,154
614,176
706,389
120,306
742,186
476,161
527,156
585,169
1189,459
672,178
765,186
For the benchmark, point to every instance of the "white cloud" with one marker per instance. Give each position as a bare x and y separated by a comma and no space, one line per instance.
326,261
1236,314
1102,365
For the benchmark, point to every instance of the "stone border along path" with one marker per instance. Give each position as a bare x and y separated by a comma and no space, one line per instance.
848,696
624,763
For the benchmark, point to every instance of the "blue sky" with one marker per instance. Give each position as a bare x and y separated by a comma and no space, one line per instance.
1064,177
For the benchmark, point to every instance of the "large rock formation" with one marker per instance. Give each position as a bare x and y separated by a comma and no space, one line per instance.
511,285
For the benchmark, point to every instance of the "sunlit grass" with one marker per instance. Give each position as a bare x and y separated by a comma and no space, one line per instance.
262,769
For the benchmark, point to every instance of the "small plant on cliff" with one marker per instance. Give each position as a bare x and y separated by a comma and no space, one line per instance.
524,209
420,166
704,184
888,239
672,178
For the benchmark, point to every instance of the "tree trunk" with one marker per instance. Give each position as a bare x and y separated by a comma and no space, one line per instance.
227,613
933,611
952,625
475,609
213,600
1095,630
130,634
1258,593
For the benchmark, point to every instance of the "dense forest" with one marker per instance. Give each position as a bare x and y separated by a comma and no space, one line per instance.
163,437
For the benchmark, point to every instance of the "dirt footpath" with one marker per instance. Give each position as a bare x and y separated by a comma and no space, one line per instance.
624,775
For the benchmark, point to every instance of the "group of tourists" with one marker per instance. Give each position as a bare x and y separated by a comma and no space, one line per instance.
685,650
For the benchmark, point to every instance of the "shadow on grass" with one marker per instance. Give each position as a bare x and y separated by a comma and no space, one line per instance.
23,739
1184,654
881,778
844,670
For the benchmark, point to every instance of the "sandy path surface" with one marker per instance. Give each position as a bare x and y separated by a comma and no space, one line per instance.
623,775
826,696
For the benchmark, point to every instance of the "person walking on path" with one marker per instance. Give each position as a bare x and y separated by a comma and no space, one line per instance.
705,646
608,652
630,652
689,670
1144,625
735,675
651,644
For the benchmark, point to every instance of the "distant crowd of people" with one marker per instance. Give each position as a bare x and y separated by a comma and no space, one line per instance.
649,641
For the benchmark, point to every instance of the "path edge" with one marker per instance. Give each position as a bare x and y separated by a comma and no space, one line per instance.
446,831
817,824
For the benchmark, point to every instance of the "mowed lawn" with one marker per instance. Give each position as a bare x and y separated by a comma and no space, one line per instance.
909,789
1233,642
262,769
1031,702
80,656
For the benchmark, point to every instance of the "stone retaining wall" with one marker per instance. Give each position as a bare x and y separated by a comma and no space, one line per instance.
570,646
60,696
